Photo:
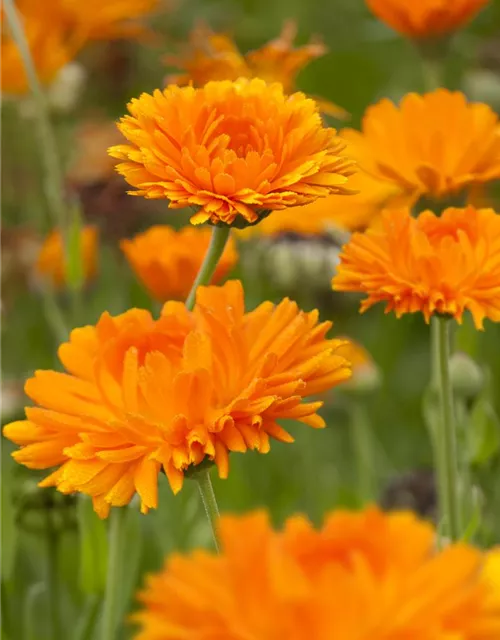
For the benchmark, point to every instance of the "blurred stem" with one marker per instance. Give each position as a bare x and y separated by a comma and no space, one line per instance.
446,437
220,236
432,72
54,315
117,537
53,601
202,477
87,621
53,182
363,450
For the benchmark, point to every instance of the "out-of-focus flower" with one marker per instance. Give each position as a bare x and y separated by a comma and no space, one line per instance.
143,394
415,490
233,150
425,18
444,265
366,375
366,575
51,262
167,261
434,144
214,56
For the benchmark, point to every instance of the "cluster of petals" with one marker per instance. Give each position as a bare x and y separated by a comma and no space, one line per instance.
362,576
52,261
167,261
425,18
432,264
141,395
214,56
434,144
230,150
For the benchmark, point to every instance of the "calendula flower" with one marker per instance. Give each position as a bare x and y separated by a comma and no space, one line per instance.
51,261
434,144
167,261
363,576
444,265
231,150
425,18
143,394
214,56
365,373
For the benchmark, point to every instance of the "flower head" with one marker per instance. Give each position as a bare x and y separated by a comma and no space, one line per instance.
51,262
433,144
233,150
425,18
143,394
363,576
366,375
214,56
431,264
167,261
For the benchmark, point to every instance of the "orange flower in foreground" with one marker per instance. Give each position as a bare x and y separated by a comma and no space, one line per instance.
51,264
445,265
433,144
230,149
141,394
425,18
167,261
362,576
214,56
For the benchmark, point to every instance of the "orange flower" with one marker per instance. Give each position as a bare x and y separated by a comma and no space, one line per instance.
445,265
362,576
141,394
366,375
435,144
167,261
425,18
230,149
51,264
214,56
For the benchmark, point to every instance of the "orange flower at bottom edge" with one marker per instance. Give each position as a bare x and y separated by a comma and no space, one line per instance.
51,264
363,576
167,261
143,394
431,264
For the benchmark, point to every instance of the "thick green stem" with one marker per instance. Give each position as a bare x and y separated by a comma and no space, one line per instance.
363,451
432,73
202,477
53,577
220,236
446,438
116,544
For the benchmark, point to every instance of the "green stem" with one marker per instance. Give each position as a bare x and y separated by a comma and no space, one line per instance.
116,542
202,477
432,73
446,437
54,315
363,451
53,600
220,236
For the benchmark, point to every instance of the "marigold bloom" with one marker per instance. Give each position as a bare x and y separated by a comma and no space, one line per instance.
433,144
141,394
214,56
167,261
425,18
444,265
363,576
230,149
51,264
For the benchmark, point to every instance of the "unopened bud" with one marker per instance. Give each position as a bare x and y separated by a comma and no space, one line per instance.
467,378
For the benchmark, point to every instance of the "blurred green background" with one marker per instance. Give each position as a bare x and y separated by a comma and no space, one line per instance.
55,545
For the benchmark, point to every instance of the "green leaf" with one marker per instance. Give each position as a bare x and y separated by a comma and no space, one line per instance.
75,274
93,547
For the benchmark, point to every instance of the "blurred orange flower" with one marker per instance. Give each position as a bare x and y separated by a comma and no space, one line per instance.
233,150
433,144
431,264
425,18
142,394
51,263
363,576
167,261
214,56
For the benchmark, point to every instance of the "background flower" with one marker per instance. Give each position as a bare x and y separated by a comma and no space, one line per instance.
167,261
431,264
230,149
303,583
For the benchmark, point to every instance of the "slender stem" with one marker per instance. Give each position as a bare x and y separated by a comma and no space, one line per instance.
432,73
363,451
447,450
220,236
54,315
54,186
53,578
202,477
116,540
